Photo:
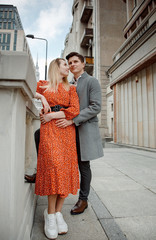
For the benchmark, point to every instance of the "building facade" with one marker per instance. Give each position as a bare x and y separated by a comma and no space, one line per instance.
133,77
12,37
96,33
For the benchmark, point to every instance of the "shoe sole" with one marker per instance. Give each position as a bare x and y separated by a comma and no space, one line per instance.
77,213
49,238
62,233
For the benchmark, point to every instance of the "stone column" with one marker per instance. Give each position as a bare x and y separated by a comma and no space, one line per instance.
17,199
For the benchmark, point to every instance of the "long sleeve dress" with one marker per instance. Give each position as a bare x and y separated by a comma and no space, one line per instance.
57,164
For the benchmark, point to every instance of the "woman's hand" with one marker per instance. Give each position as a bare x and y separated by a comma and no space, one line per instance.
44,118
45,104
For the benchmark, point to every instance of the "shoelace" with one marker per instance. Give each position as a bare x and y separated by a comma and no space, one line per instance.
60,219
51,222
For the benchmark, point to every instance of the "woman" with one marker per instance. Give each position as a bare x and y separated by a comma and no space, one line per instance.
57,167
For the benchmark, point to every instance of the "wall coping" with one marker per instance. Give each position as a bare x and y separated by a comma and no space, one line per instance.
24,78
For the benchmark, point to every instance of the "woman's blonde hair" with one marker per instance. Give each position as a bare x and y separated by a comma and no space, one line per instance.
54,75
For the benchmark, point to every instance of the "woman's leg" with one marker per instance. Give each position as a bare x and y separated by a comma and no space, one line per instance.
52,203
59,203
62,225
50,225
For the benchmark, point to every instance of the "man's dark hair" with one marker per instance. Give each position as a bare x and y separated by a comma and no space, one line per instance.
72,54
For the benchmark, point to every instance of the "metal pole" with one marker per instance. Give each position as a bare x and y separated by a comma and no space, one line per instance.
46,55
33,37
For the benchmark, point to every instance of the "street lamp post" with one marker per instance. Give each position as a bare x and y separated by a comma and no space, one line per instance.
33,37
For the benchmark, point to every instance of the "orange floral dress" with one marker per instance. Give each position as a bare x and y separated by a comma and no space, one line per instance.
57,164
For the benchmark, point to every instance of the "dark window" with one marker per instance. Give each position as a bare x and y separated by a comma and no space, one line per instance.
4,25
1,14
8,38
4,37
144,14
5,14
15,40
10,14
9,25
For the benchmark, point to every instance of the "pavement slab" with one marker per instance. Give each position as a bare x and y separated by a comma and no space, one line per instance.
122,200
138,228
84,226
124,182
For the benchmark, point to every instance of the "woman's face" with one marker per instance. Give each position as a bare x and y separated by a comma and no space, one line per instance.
64,69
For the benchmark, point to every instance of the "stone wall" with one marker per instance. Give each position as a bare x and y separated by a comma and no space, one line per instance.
19,119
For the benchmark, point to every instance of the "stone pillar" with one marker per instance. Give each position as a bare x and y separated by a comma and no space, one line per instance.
17,199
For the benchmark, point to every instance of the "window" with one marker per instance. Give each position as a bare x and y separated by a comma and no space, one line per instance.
144,14
9,25
5,14
15,40
4,37
8,38
1,14
4,25
10,14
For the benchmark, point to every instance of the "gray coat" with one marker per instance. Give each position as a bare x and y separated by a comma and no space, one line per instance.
89,92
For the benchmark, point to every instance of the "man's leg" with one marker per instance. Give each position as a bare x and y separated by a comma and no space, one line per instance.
37,139
85,179
32,178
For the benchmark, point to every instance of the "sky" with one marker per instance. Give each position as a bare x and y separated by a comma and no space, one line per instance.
49,19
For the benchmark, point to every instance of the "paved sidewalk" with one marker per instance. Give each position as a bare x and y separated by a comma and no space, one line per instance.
122,201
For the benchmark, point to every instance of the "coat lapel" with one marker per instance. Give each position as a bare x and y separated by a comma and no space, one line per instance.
80,82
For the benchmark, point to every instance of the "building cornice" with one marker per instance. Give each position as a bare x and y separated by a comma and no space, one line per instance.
145,60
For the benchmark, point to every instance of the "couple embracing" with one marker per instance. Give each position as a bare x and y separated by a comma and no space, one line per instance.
69,138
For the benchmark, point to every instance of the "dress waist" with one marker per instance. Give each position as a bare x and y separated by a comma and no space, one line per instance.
57,108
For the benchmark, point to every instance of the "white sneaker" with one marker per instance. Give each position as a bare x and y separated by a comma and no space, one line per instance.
50,226
61,224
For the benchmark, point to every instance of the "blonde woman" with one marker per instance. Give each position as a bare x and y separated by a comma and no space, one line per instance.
57,166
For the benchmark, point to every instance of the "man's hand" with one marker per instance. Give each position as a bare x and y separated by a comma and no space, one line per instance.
62,123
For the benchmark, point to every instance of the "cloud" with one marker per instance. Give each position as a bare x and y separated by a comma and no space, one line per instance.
51,21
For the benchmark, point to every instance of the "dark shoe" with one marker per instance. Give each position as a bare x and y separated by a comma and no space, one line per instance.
79,207
30,178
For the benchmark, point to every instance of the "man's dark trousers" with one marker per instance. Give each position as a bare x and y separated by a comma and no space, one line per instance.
37,139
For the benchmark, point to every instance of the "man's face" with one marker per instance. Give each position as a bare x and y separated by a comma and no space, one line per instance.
75,65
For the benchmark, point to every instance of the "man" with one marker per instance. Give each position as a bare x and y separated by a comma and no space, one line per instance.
89,145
